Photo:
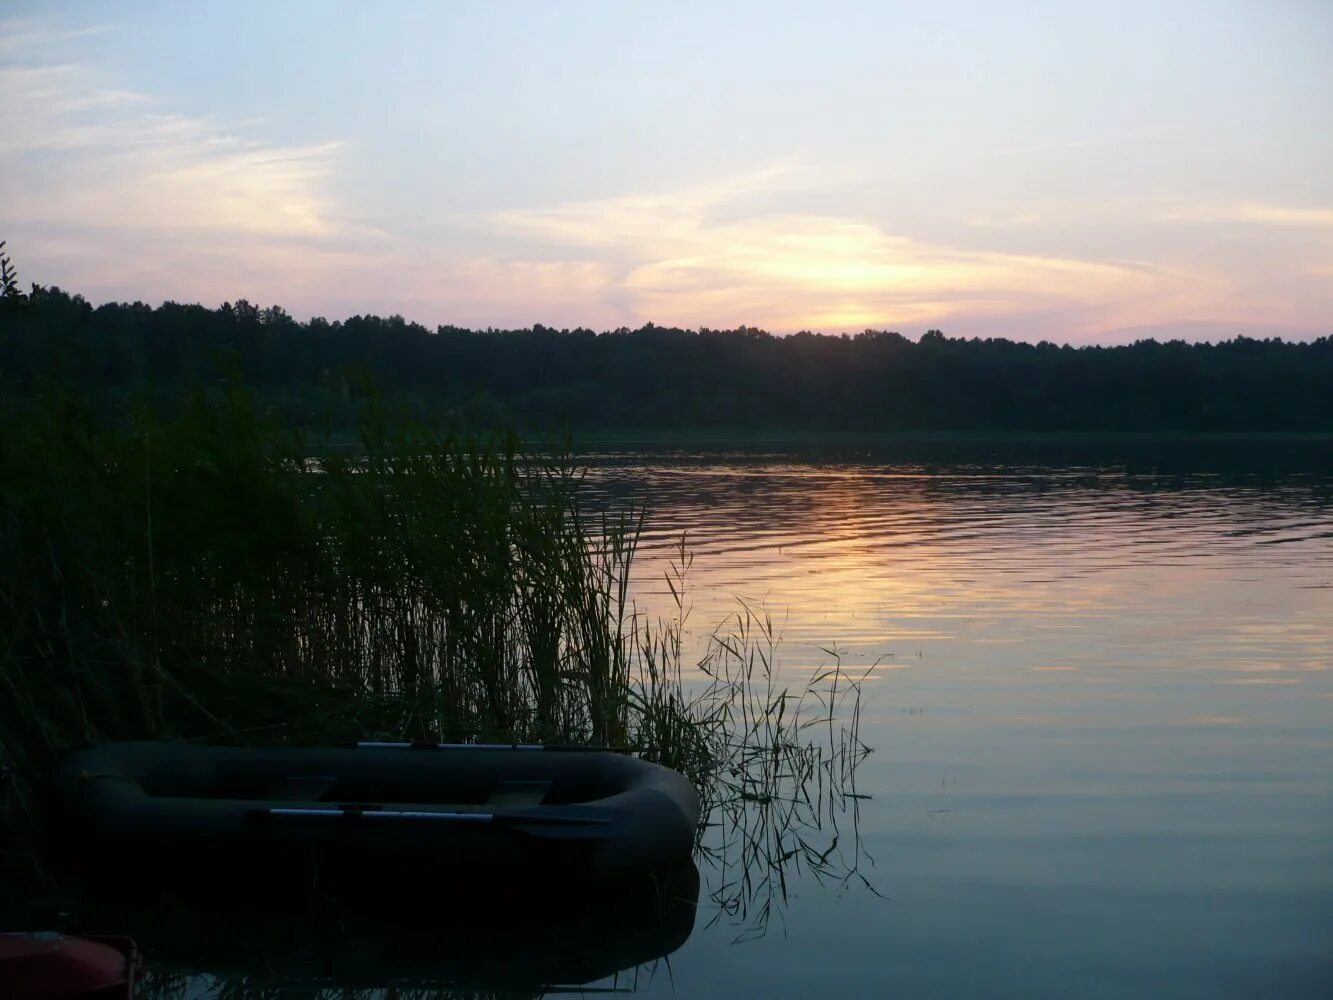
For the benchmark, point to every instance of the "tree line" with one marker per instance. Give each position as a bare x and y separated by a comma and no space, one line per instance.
667,378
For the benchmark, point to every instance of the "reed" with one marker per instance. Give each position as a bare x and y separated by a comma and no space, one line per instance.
211,574
774,757
200,576
783,800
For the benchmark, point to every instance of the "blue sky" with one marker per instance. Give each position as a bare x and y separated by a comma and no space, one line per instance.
1073,172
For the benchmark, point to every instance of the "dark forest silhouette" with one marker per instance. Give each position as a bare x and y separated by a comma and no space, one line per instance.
664,378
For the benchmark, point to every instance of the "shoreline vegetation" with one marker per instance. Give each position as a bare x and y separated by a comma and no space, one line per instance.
212,528
191,573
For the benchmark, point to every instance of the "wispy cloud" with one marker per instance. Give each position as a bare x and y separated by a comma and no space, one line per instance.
23,36
692,256
121,192
116,193
1258,213
115,158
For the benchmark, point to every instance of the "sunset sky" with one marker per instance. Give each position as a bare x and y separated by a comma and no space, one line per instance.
1074,172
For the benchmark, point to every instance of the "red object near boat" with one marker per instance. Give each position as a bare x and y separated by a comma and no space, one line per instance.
44,965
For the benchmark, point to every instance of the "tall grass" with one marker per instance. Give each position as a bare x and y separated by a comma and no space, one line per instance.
774,757
198,575
211,574
784,801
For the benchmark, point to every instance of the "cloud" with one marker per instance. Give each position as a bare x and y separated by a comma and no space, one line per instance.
23,36
721,254
115,194
120,193
52,107
1258,213
110,193
505,292
108,158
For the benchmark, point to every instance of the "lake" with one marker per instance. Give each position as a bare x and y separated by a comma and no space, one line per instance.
1098,690
1100,715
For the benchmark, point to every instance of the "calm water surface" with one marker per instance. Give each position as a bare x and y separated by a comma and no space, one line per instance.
1101,713
1100,696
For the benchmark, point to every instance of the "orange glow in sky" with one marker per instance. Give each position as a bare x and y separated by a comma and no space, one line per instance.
1083,175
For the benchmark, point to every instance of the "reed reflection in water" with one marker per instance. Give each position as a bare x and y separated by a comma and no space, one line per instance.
1100,699
1102,713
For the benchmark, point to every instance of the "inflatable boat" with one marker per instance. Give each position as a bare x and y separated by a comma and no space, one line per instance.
386,818
45,965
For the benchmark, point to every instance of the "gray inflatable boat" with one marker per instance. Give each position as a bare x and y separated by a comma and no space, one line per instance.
382,817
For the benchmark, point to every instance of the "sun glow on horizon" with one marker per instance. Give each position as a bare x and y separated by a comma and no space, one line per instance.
760,207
